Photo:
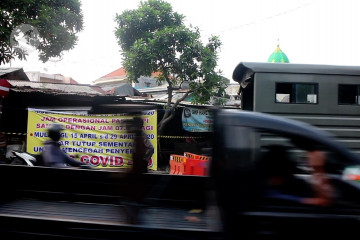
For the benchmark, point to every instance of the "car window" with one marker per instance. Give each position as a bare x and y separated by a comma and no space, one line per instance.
298,149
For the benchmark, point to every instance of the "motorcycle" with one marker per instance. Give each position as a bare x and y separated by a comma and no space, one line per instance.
27,159
24,158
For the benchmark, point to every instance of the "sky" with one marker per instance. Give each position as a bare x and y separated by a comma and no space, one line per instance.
307,31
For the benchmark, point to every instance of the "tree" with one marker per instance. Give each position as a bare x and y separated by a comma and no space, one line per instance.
153,38
48,26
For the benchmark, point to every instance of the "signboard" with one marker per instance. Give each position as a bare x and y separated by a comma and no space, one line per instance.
98,139
197,119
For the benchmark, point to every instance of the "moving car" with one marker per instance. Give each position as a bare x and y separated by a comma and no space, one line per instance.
242,140
230,203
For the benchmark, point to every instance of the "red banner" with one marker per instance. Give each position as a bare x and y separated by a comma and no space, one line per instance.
4,87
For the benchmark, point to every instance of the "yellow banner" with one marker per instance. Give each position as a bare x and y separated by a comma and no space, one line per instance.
100,140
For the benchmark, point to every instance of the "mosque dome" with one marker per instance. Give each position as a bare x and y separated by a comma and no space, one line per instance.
278,56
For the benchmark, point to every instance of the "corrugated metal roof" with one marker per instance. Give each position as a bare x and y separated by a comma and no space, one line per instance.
56,88
161,88
13,73
5,70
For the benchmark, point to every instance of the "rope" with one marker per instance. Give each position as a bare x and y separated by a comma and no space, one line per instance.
9,133
178,137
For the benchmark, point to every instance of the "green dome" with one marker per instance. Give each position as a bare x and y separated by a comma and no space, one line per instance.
278,56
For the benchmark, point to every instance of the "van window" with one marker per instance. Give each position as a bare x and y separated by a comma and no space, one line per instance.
296,93
349,94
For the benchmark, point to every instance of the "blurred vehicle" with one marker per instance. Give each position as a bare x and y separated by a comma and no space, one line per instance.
241,139
229,203
31,160
24,158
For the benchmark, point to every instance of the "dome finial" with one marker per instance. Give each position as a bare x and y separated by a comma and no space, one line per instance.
278,55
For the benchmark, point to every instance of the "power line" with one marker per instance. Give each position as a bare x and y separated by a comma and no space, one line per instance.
263,19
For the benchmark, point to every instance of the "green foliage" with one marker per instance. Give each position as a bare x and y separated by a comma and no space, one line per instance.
154,39
55,24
